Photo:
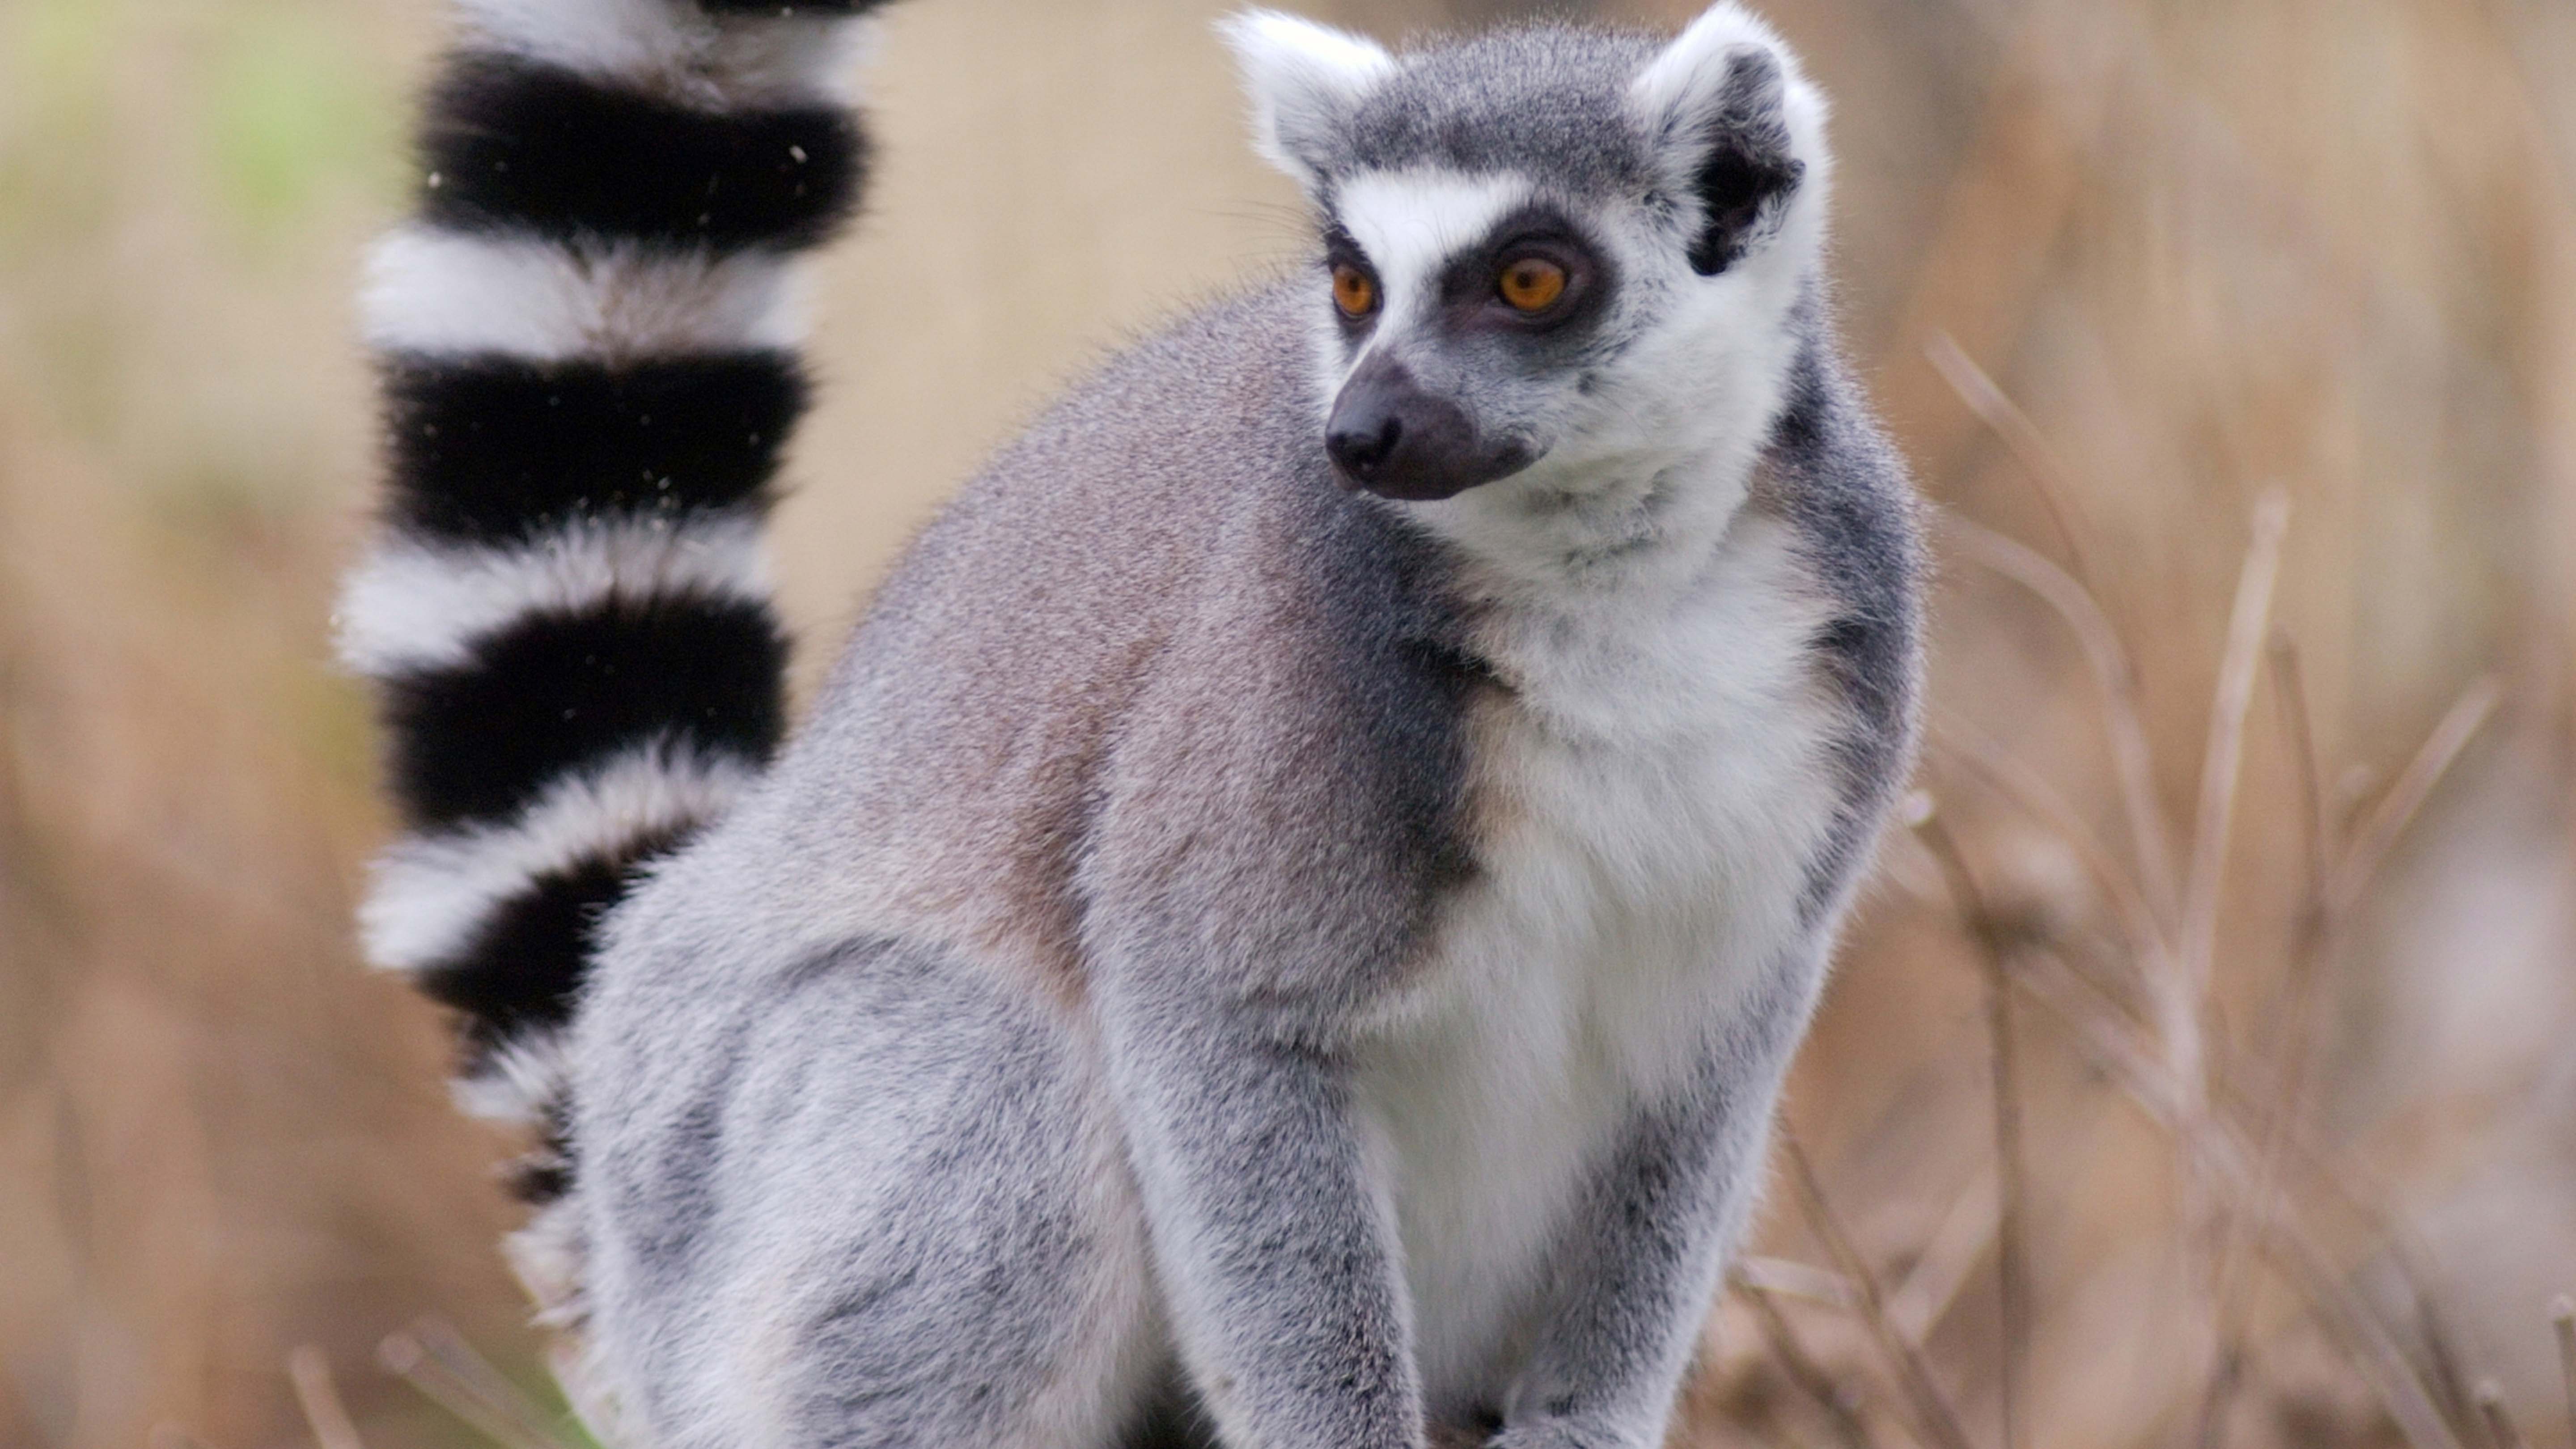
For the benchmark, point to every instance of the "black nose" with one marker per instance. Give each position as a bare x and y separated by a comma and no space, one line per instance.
1359,449
1389,435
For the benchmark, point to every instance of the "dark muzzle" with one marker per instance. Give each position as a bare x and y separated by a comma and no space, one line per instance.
1393,438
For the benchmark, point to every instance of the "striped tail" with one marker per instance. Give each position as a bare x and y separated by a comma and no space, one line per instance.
586,335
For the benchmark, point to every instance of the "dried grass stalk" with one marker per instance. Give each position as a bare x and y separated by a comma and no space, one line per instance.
2012,1194
2018,783
1791,1278
2562,1317
1821,1388
2124,724
309,1369
2499,1419
429,1356
1948,1259
2294,1006
2220,1153
2223,757
1937,1421
2387,820
2048,473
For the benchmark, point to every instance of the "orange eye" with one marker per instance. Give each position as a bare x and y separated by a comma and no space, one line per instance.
1531,283
1353,291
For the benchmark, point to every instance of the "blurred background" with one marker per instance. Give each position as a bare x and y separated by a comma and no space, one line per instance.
2235,343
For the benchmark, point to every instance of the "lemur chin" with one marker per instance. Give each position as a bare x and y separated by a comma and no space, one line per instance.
1286,925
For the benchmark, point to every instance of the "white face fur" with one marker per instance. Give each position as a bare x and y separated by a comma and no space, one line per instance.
1643,418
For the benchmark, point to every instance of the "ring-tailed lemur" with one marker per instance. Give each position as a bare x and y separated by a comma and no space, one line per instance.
1289,918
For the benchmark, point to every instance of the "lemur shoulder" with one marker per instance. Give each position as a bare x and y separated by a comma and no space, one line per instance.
1287,922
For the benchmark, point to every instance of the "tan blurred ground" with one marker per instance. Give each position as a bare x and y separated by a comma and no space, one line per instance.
2208,249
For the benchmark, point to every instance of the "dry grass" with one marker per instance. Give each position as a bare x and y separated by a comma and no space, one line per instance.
2199,1075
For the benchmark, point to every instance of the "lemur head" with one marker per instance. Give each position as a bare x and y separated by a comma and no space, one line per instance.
1563,256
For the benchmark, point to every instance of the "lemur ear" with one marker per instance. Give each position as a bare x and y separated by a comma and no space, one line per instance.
1304,80
1741,130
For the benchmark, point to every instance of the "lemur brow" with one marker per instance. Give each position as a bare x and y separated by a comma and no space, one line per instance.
1537,223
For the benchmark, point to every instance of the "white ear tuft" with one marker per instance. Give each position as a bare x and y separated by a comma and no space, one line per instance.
1303,79
1687,79
1740,128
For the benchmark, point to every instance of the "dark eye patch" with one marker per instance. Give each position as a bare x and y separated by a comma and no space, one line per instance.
1341,249
1467,282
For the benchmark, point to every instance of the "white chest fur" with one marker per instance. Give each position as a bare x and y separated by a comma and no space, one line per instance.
1650,799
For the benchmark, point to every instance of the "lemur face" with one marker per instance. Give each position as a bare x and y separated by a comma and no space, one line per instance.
1538,251
1469,310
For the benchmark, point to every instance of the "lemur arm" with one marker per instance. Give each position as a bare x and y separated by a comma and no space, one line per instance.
1640,1265
1272,1236
1272,1244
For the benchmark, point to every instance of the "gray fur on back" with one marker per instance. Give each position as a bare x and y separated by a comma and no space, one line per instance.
951,780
